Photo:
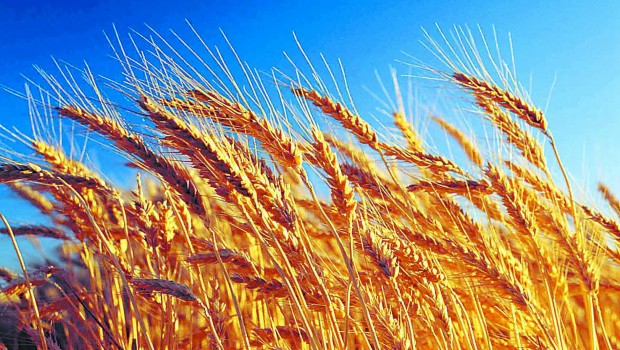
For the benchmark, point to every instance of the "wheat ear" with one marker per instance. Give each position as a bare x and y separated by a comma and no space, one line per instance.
610,198
175,174
467,145
349,120
531,115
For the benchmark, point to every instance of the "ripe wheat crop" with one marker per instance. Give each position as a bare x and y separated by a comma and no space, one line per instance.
268,213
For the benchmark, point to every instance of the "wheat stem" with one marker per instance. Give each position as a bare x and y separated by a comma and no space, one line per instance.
33,299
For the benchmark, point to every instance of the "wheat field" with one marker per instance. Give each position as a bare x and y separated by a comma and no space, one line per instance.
268,213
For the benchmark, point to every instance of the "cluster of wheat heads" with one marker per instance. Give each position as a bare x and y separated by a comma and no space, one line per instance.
245,231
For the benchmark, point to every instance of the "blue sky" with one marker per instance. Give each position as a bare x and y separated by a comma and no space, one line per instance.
578,46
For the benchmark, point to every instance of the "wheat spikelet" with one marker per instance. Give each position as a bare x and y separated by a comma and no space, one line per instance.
58,159
349,121
470,149
462,187
271,190
228,256
243,120
273,287
516,105
433,163
32,172
412,138
222,172
39,231
546,188
610,198
44,205
373,184
173,173
521,139
379,251
513,200
342,192
212,161
414,263
507,282
148,286
21,286
393,334
606,222
107,207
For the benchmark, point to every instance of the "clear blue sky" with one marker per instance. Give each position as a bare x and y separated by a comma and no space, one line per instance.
578,43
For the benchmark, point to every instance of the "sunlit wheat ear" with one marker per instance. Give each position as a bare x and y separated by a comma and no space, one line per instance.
56,157
356,125
342,192
239,261
273,287
20,287
34,173
413,140
453,186
611,225
434,163
468,146
33,196
610,198
274,140
173,173
529,147
206,155
511,102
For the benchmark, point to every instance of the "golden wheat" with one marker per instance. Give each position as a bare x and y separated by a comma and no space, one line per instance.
256,232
